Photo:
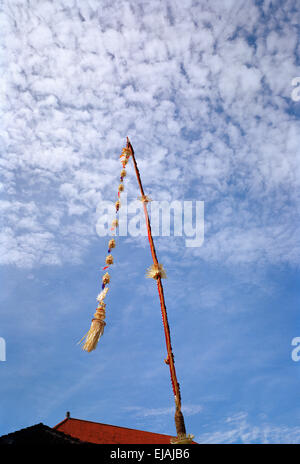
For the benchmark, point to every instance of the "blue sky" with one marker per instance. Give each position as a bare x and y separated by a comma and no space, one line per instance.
203,90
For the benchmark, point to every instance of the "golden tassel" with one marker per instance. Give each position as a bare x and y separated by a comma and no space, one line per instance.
96,329
121,188
155,271
123,173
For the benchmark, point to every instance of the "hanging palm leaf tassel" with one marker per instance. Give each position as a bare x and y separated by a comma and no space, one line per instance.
90,340
96,329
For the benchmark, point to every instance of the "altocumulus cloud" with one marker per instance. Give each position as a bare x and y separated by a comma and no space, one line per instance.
238,429
203,90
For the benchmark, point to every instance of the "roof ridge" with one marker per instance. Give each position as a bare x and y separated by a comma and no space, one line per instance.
46,428
109,425
61,422
24,428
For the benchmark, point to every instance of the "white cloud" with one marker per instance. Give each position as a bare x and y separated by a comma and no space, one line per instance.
238,429
205,107
139,411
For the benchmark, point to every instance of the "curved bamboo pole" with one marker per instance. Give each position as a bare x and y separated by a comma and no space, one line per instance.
179,419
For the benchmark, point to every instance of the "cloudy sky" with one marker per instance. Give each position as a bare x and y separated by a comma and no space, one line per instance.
204,91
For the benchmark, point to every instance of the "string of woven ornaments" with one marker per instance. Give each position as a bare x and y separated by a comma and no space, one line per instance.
157,272
91,339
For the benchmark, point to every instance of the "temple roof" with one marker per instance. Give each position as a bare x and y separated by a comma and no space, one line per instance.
94,432
78,431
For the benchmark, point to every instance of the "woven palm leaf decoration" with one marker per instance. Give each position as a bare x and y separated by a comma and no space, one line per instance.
155,271
90,340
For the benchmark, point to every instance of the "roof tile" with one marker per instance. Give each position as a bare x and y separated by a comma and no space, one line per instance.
94,432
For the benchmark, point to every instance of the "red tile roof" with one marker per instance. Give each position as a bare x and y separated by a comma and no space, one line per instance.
94,432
